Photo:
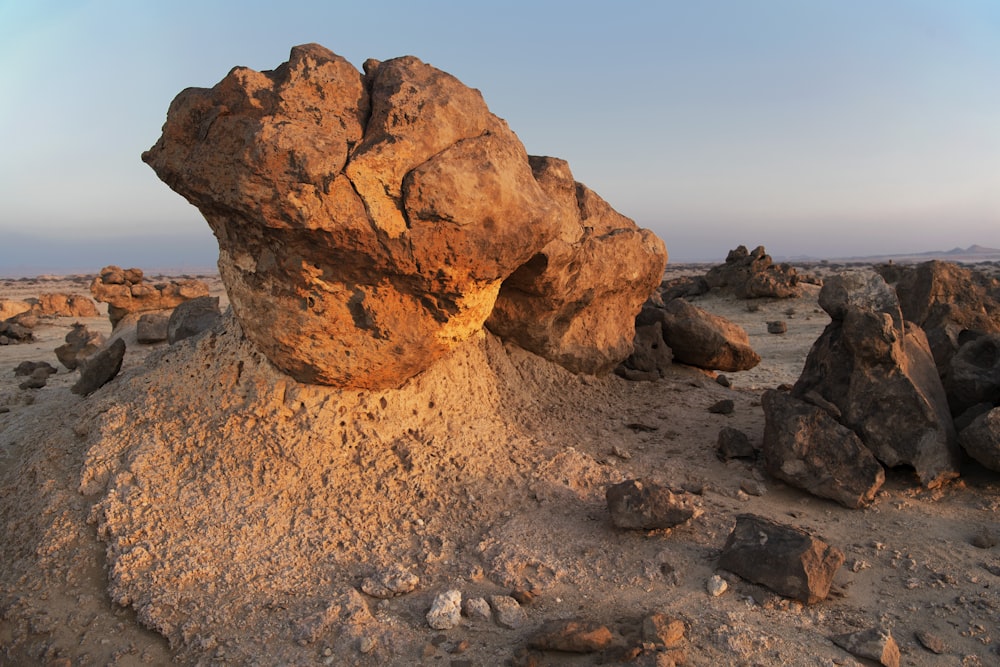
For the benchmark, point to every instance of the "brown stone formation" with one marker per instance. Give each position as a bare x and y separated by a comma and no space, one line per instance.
366,221
752,275
125,292
566,302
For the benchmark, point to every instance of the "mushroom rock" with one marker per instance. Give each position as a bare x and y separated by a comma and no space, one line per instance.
365,221
575,301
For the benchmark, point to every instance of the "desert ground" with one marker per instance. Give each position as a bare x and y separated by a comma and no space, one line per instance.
202,509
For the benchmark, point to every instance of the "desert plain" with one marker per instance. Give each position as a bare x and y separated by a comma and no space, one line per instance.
169,519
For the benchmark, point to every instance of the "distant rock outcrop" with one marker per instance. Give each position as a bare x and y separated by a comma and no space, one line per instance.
367,222
80,343
752,275
125,292
64,305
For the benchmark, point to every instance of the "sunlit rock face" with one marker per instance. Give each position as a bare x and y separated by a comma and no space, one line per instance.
365,221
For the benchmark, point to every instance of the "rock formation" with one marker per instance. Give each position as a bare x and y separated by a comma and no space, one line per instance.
80,343
125,292
700,339
752,275
64,305
879,373
192,317
366,222
945,299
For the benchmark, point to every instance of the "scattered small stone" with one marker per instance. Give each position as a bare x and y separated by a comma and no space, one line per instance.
734,444
367,644
724,407
874,644
390,583
524,596
752,487
931,642
28,368
572,636
446,610
623,454
777,327
984,539
722,380
477,609
507,612
641,428
716,586
645,505
663,630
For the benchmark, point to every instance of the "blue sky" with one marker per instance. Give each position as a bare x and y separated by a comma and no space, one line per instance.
820,127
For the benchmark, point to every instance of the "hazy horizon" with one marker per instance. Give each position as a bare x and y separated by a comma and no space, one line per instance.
831,128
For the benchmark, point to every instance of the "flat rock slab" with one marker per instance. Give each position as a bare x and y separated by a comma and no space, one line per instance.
788,560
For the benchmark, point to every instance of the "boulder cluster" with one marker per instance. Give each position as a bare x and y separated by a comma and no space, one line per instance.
126,292
876,392
370,222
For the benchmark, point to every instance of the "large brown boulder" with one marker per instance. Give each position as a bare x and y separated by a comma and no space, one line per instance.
701,339
879,373
125,292
64,305
365,221
567,302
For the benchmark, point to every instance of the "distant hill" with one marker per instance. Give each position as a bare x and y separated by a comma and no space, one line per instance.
972,254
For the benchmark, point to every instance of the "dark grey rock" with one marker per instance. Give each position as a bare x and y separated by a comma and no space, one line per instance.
644,505
192,317
100,368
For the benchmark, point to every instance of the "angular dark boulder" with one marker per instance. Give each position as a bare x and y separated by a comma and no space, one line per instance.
645,505
806,447
981,439
788,560
100,368
192,317
752,275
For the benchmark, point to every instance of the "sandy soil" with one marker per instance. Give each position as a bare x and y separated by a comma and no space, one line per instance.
204,509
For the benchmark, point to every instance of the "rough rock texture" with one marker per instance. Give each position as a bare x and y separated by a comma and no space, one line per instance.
806,447
651,356
11,307
100,368
700,339
572,636
872,644
80,343
788,560
945,299
566,303
125,292
752,275
152,327
64,305
366,222
646,505
973,374
192,317
981,439
879,373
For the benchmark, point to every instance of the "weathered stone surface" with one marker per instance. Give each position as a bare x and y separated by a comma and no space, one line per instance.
64,305
28,368
11,307
152,328
777,327
575,301
507,612
872,644
572,636
945,299
446,610
80,343
806,447
734,444
125,292
788,560
751,275
366,222
700,339
390,583
973,374
348,610
651,356
645,505
881,377
100,368
192,317
981,439
664,630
